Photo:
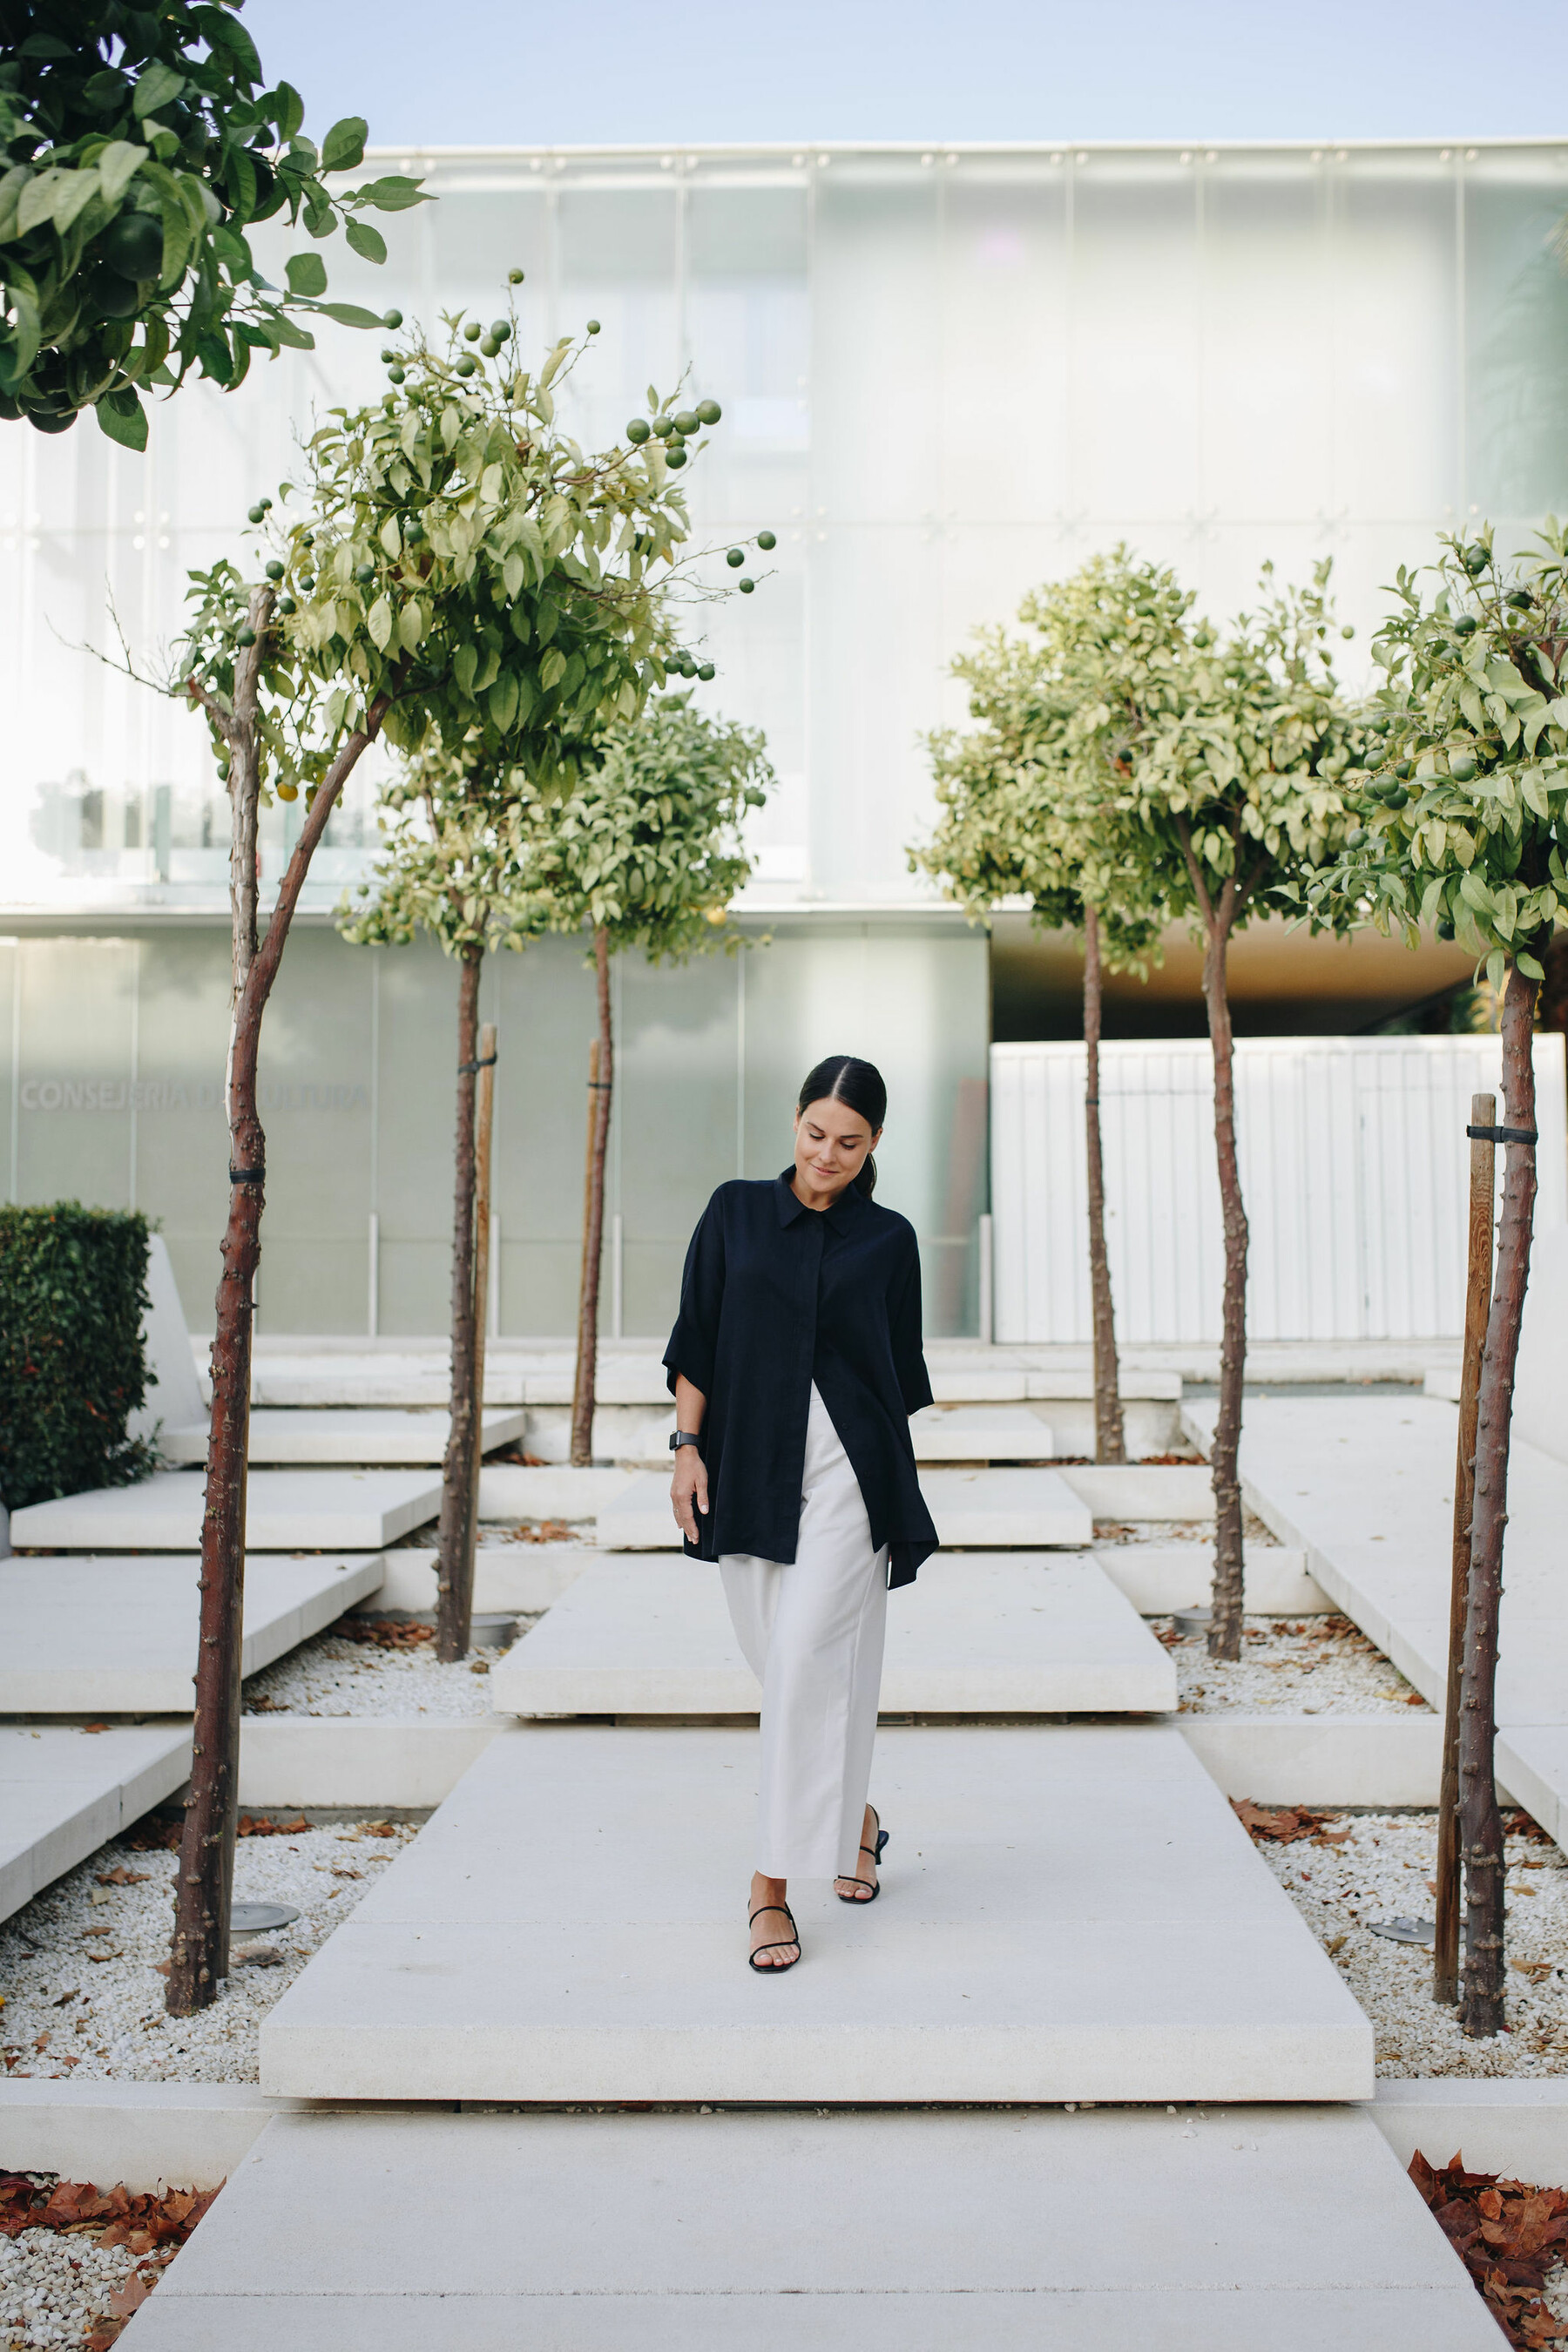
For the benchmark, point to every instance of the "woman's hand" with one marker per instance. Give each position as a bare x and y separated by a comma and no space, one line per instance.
688,1490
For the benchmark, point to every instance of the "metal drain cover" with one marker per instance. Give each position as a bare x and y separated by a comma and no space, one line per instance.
1405,1931
255,1918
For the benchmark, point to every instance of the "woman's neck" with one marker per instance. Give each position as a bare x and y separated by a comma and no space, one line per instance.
810,1197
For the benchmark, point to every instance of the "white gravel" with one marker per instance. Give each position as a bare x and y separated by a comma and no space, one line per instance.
333,1675
1301,1666
54,2286
78,1964
1382,1871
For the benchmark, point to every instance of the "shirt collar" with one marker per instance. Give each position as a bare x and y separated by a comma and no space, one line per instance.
840,1216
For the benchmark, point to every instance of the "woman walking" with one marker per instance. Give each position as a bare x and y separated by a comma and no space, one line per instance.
795,1362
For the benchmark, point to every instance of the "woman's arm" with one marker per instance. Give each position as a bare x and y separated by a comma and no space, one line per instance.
691,1478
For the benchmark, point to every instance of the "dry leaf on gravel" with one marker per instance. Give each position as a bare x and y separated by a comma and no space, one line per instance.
386,1633
1508,2235
1283,1824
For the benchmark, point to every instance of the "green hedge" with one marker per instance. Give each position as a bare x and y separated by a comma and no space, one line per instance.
73,1291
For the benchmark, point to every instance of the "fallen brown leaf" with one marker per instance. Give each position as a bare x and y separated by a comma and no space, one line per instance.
1509,2234
1283,1824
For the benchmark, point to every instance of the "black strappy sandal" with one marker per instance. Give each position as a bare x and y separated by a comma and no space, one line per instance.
774,1968
859,1902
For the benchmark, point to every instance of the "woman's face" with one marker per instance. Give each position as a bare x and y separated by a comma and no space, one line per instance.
831,1142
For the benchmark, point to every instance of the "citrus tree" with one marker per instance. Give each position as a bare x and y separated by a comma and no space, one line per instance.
645,853
448,562
1027,809
137,149
1463,824
1232,791
455,866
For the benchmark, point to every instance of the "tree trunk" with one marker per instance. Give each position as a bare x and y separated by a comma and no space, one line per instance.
601,1086
1477,1306
484,1127
1225,1627
455,1588
1481,2007
198,1959
1110,1440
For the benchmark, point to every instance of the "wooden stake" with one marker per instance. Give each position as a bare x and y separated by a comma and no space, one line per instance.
1478,1307
485,1114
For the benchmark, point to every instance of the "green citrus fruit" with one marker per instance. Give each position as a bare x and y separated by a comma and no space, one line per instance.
246,636
473,331
255,514
387,354
393,319
514,278
747,587
133,244
397,374
307,582
365,574
274,570
735,558
286,605
639,429
1462,767
593,326
1466,626
664,426
766,541
490,347
708,411
705,670
686,421
502,330
675,456
467,366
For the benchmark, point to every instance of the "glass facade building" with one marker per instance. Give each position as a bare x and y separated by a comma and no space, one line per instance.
946,375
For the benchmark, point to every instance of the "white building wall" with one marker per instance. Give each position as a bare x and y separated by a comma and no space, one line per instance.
1354,1171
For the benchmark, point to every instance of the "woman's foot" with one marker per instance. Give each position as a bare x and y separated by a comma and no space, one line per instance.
862,1887
771,1922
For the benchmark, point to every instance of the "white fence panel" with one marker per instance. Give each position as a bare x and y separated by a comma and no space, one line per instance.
1353,1169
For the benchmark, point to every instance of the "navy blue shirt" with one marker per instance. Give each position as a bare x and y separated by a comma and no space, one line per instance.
774,1296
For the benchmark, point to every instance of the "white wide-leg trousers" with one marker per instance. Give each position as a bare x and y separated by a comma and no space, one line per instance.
812,1630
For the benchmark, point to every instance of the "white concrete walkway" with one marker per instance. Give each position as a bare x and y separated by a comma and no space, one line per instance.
1229,2231
383,1437
983,1510
120,1636
1069,1914
286,1510
1043,1633
63,1793
1366,1486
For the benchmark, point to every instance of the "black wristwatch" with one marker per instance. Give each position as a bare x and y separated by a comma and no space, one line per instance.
683,1437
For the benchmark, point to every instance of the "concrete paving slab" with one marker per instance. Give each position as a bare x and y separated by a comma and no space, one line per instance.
1092,2232
63,1793
148,2136
553,1490
980,1633
287,1510
1518,2127
1161,1578
979,1509
377,1761
346,1436
1071,1912
981,1432
1143,1490
526,1577
174,1388
119,1636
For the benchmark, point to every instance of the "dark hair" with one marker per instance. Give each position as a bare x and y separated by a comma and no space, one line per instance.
842,1078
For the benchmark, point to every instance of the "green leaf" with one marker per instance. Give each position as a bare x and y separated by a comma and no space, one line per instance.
393,195
307,275
503,702
288,110
379,622
350,314
1528,965
552,668
118,167
38,200
120,416
344,146
465,664
159,86
366,241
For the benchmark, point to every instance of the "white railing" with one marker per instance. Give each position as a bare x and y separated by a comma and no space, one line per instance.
1353,1167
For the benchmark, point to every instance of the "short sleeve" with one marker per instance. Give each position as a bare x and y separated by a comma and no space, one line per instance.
694,1342
904,1328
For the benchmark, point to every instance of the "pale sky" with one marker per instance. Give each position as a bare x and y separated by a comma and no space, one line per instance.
605,72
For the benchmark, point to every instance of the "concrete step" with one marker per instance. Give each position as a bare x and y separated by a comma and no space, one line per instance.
63,1793
1364,1486
980,1632
287,1510
344,1436
1227,2230
979,1509
1071,1912
1158,1579
120,1636
981,1432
